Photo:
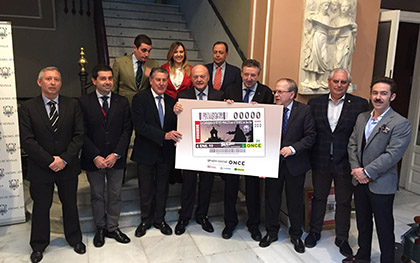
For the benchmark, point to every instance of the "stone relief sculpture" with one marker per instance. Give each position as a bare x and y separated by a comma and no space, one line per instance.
329,38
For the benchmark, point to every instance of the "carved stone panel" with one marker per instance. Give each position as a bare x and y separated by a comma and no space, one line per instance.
328,42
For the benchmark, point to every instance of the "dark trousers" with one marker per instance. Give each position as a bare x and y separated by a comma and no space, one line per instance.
106,208
343,195
42,196
189,186
252,195
380,206
294,197
153,187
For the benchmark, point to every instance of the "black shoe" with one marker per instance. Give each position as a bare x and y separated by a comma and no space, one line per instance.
353,259
164,228
99,239
228,232
180,227
141,229
205,224
36,256
80,248
345,248
118,235
267,240
255,234
299,247
311,239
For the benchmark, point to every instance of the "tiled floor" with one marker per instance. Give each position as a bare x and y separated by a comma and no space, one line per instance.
196,245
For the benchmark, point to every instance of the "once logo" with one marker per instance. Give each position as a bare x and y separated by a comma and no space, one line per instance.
241,163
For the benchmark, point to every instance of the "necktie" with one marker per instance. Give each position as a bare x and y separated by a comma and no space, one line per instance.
53,115
105,106
285,119
139,73
160,110
201,95
246,97
218,78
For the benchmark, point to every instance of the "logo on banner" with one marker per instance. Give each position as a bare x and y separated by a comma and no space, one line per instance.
11,147
8,110
3,209
2,173
14,184
5,72
3,32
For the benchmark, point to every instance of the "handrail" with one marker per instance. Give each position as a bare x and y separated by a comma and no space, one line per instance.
226,28
101,42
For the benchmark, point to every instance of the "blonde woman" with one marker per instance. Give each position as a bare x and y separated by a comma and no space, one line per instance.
178,68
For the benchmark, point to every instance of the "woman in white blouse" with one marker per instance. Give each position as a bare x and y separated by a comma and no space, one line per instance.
178,68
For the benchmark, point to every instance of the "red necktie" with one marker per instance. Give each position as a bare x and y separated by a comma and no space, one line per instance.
218,78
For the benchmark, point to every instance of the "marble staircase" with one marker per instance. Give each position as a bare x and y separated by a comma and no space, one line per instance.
130,212
164,24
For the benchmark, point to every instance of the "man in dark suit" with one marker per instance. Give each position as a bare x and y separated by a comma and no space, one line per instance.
200,91
298,136
222,74
335,115
108,128
154,150
249,91
378,142
51,129
131,72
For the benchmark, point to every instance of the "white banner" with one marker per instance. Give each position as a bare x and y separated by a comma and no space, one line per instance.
238,138
12,206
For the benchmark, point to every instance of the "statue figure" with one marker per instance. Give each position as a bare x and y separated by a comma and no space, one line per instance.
316,61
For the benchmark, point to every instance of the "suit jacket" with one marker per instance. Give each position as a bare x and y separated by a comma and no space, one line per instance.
150,147
263,94
190,94
300,133
186,83
41,143
383,150
105,137
232,76
352,106
125,77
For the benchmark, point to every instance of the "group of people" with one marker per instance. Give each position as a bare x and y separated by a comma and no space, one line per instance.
358,151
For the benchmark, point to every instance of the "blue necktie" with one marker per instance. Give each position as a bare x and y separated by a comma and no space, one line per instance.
160,110
200,95
285,119
246,97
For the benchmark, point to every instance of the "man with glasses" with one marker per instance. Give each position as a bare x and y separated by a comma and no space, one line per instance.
298,136
131,73
335,115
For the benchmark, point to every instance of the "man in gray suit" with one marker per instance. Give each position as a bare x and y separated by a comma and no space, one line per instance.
377,144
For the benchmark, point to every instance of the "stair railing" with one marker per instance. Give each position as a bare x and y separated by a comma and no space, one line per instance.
228,32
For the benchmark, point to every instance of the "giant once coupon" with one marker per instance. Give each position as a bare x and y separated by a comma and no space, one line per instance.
238,138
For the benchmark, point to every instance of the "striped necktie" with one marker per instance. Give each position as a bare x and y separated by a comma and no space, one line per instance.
53,115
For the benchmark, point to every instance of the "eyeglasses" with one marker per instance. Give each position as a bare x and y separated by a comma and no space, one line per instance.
343,82
281,91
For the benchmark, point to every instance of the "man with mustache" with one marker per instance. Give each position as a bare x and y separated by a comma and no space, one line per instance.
377,144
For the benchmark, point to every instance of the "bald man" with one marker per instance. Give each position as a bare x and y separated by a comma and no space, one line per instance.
200,91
